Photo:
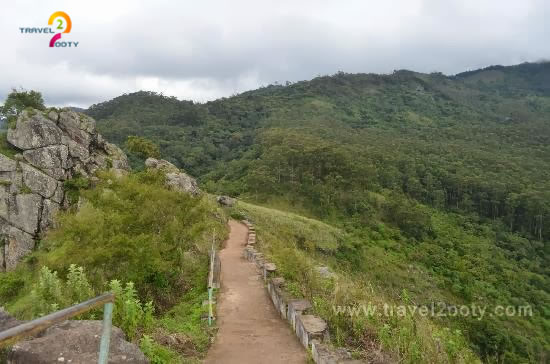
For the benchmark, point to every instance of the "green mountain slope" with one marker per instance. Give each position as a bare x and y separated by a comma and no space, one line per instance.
448,175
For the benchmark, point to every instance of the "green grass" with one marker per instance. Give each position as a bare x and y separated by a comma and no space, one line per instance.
306,231
296,245
376,263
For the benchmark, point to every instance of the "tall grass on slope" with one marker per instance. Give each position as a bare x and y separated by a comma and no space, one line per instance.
132,229
298,247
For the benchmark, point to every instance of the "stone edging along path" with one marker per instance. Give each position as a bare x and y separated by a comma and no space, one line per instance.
312,331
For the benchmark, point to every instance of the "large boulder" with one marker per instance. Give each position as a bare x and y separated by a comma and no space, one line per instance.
54,146
75,342
162,165
226,201
175,178
118,159
60,142
34,130
182,182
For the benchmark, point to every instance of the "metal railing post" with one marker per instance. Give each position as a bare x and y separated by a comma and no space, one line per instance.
211,279
210,314
106,334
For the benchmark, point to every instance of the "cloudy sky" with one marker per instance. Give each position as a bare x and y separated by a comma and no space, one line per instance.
202,50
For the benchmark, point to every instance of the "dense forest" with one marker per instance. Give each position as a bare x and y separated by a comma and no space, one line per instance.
447,173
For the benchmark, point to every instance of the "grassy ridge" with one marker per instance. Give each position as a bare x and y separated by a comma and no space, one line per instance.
376,266
296,245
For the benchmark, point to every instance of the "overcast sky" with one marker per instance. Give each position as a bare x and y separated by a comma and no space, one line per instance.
202,50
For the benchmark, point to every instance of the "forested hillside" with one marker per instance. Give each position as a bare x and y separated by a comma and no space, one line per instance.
447,176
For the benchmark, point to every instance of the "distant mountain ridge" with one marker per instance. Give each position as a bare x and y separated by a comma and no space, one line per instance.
446,172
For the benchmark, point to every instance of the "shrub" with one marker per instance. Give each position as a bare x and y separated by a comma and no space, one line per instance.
156,353
112,240
17,101
130,314
238,215
142,147
73,186
47,294
78,287
10,285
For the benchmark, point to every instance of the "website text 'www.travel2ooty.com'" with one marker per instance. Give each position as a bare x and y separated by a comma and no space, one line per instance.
435,309
59,23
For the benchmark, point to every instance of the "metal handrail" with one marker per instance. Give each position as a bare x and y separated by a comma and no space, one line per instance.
14,334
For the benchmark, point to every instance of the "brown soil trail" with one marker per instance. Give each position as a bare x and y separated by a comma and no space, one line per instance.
250,330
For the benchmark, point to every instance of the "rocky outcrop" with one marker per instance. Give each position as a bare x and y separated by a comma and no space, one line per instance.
175,178
226,201
54,146
74,342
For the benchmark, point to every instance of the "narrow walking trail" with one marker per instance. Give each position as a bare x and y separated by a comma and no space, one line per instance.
250,330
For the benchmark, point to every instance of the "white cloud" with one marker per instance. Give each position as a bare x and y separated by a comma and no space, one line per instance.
205,50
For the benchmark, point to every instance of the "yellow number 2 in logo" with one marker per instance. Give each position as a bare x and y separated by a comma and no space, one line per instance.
63,15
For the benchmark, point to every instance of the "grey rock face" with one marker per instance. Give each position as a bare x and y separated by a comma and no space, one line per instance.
118,157
75,342
53,160
17,244
3,260
59,194
175,179
76,150
4,203
55,146
33,130
78,127
38,182
7,164
24,211
53,115
49,210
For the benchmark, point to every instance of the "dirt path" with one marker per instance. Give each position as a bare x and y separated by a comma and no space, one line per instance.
251,331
